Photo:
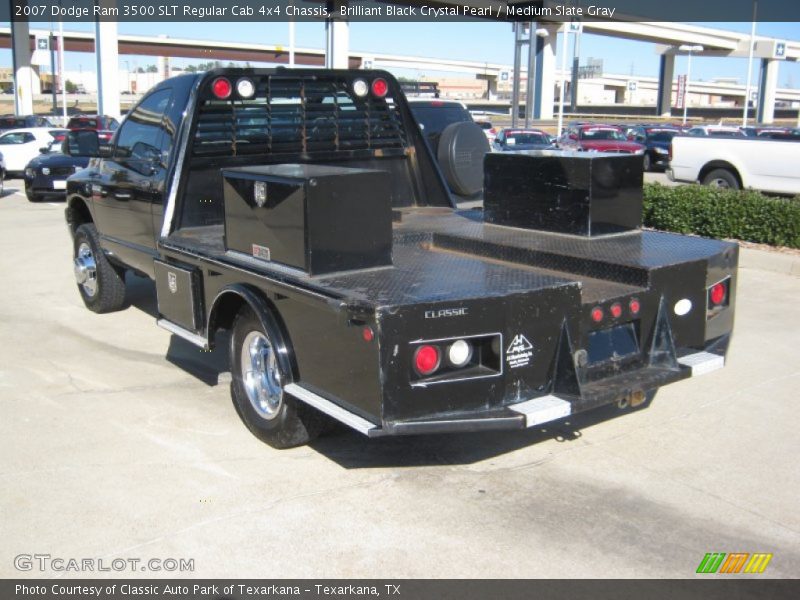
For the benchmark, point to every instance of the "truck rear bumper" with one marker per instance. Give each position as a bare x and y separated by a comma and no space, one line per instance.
626,388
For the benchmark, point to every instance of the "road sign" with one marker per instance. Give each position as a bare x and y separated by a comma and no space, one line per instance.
41,54
681,91
779,49
368,62
632,85
575,27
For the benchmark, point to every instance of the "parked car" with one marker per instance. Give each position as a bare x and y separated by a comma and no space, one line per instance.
2,173
488,130
736,163
9,122
21,145
104,125
515,140
46,174
715,131
598,138
656,141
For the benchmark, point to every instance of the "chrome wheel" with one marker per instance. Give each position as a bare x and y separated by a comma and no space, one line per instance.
261,375
86,270
719,182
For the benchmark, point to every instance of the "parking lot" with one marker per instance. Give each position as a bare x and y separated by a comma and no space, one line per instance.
117,442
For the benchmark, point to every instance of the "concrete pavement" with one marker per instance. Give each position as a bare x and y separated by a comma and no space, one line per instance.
115,444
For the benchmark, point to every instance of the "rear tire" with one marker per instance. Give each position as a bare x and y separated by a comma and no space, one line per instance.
257,387
101,285
722,178
648,163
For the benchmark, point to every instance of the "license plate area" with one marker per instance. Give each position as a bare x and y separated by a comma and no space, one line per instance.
613,344
60,184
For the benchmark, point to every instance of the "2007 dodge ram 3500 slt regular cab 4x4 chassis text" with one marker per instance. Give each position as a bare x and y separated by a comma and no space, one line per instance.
303,211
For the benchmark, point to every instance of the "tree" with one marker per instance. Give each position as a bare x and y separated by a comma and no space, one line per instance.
70,87
152,69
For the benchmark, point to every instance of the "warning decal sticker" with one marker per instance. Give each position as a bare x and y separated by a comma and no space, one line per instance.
519,352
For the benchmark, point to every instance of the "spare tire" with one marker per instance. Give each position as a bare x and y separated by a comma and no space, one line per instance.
462,147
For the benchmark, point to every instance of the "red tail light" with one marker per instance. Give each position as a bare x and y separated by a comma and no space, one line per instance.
597,314
616,310
221,88
717,293
635,306
379,87
669,152
717,297
427,359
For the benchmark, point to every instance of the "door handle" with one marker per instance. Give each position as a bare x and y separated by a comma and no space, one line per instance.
122,195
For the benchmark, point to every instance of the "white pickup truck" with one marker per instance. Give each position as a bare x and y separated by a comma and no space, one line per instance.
736,163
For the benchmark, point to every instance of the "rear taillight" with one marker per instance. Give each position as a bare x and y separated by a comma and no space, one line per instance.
464,357
427,359
669,152
379,87
221,88
717,297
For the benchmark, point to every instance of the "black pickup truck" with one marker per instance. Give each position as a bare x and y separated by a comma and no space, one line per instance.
303,211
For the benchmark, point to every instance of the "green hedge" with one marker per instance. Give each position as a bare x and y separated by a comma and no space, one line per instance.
718,213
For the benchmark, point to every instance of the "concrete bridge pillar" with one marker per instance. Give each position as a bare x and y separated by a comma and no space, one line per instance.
545,90
23,72
767,91
666,74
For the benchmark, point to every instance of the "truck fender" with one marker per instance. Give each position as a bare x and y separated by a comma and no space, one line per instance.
77,213
230,300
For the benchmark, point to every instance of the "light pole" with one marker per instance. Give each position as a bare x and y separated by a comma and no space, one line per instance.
750,65
689,49
565,33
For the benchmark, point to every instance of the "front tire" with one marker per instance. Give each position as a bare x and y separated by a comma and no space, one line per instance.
257,388
721,178
648,163
101,285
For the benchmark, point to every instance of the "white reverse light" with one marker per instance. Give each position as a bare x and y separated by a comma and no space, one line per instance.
360,88
682,307
245,88
459,353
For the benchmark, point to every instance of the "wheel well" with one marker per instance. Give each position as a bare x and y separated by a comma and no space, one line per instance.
224,311
228,304
77,214
719,164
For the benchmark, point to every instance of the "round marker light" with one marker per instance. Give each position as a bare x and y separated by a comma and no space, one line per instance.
427,359
368,334
379,87
717,293
221,88
360,88
459,353
635,306
616,310
245,88
597,314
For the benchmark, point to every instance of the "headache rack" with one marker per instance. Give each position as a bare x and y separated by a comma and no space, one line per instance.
305,115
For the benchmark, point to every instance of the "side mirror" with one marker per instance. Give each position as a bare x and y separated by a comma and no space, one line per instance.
83,143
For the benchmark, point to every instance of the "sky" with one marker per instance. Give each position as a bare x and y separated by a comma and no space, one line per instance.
482,41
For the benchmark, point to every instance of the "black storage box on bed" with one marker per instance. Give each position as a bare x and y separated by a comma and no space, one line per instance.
317,218
578,193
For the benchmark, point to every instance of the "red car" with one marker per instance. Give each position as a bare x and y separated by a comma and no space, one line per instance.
598,138
104,125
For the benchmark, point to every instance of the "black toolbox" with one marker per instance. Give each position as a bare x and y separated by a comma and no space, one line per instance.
317,218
